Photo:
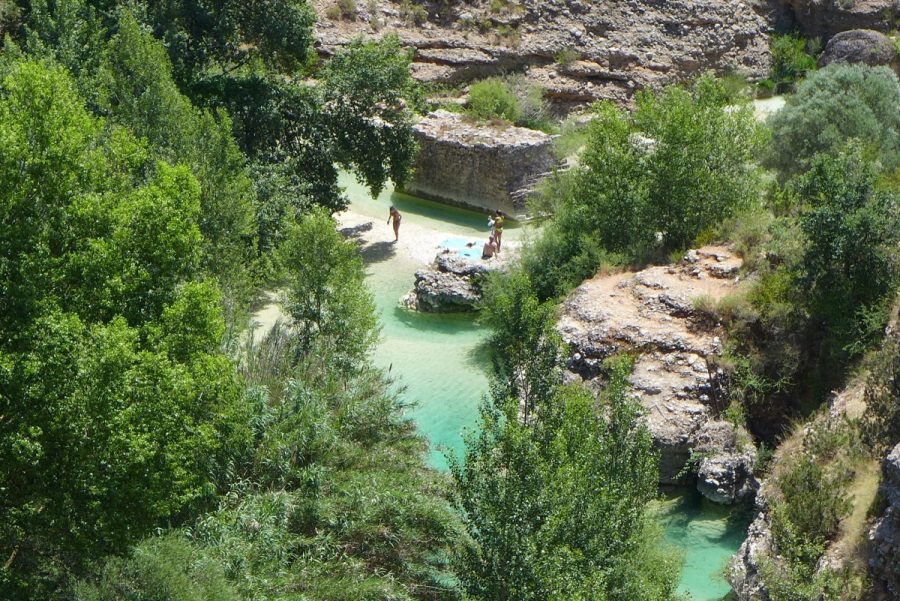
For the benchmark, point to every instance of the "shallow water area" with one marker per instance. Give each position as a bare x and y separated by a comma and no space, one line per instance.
441,363
709,535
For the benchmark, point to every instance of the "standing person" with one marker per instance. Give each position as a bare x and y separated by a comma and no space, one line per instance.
492,221
498,228
395,215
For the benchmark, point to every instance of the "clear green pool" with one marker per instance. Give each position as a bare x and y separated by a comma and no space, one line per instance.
440,363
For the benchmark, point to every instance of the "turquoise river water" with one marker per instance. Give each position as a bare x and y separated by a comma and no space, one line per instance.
439,361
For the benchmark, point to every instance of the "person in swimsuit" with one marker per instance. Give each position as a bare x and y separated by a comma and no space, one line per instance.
498,228
395,215
490,247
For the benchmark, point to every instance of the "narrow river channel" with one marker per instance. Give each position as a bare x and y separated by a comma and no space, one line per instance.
439,361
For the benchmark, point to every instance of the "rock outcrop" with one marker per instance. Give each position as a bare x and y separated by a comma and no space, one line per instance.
450,285
744,570
481,166
652,313
884,536
825,18
861,46
578,50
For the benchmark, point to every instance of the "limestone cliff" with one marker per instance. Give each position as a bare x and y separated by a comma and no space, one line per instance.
482,166
652,314
583,50
578,50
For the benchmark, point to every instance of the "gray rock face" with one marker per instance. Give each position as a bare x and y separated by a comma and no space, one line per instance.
860,46
744,570
884,536
825,18
481,166
726,475
451,285
651,313
624,46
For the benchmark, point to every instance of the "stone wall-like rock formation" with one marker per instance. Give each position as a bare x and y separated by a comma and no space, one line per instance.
885,534
482,166
651,313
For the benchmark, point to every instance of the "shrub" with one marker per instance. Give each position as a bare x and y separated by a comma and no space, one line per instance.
567,56
790,59
809,513
833,105
413,13
534,111
494,99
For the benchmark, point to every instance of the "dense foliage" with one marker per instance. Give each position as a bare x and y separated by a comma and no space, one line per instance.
825,291
553,488
839,103
119,410
648,183
138,215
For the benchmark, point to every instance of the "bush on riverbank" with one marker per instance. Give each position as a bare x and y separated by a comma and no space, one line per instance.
647,184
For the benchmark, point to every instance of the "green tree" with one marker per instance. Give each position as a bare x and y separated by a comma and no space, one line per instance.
326,295
138,92
554,498
119,412
790,59
850,267
833,105
523,337
648,183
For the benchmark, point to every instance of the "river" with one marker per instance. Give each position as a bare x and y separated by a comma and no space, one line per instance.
440,364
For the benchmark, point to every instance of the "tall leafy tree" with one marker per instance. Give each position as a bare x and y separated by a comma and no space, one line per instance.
326,296
850,268
555,505
118,412
832,106
649,182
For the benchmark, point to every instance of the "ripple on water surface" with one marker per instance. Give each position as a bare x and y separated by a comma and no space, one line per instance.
441,362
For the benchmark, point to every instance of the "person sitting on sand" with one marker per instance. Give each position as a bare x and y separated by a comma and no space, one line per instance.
395,215
490,248
498,228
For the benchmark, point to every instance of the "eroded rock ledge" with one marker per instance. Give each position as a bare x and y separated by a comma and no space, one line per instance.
652,313
885,533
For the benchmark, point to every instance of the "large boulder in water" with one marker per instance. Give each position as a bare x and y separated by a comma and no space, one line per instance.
484,166
860,46
451,285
